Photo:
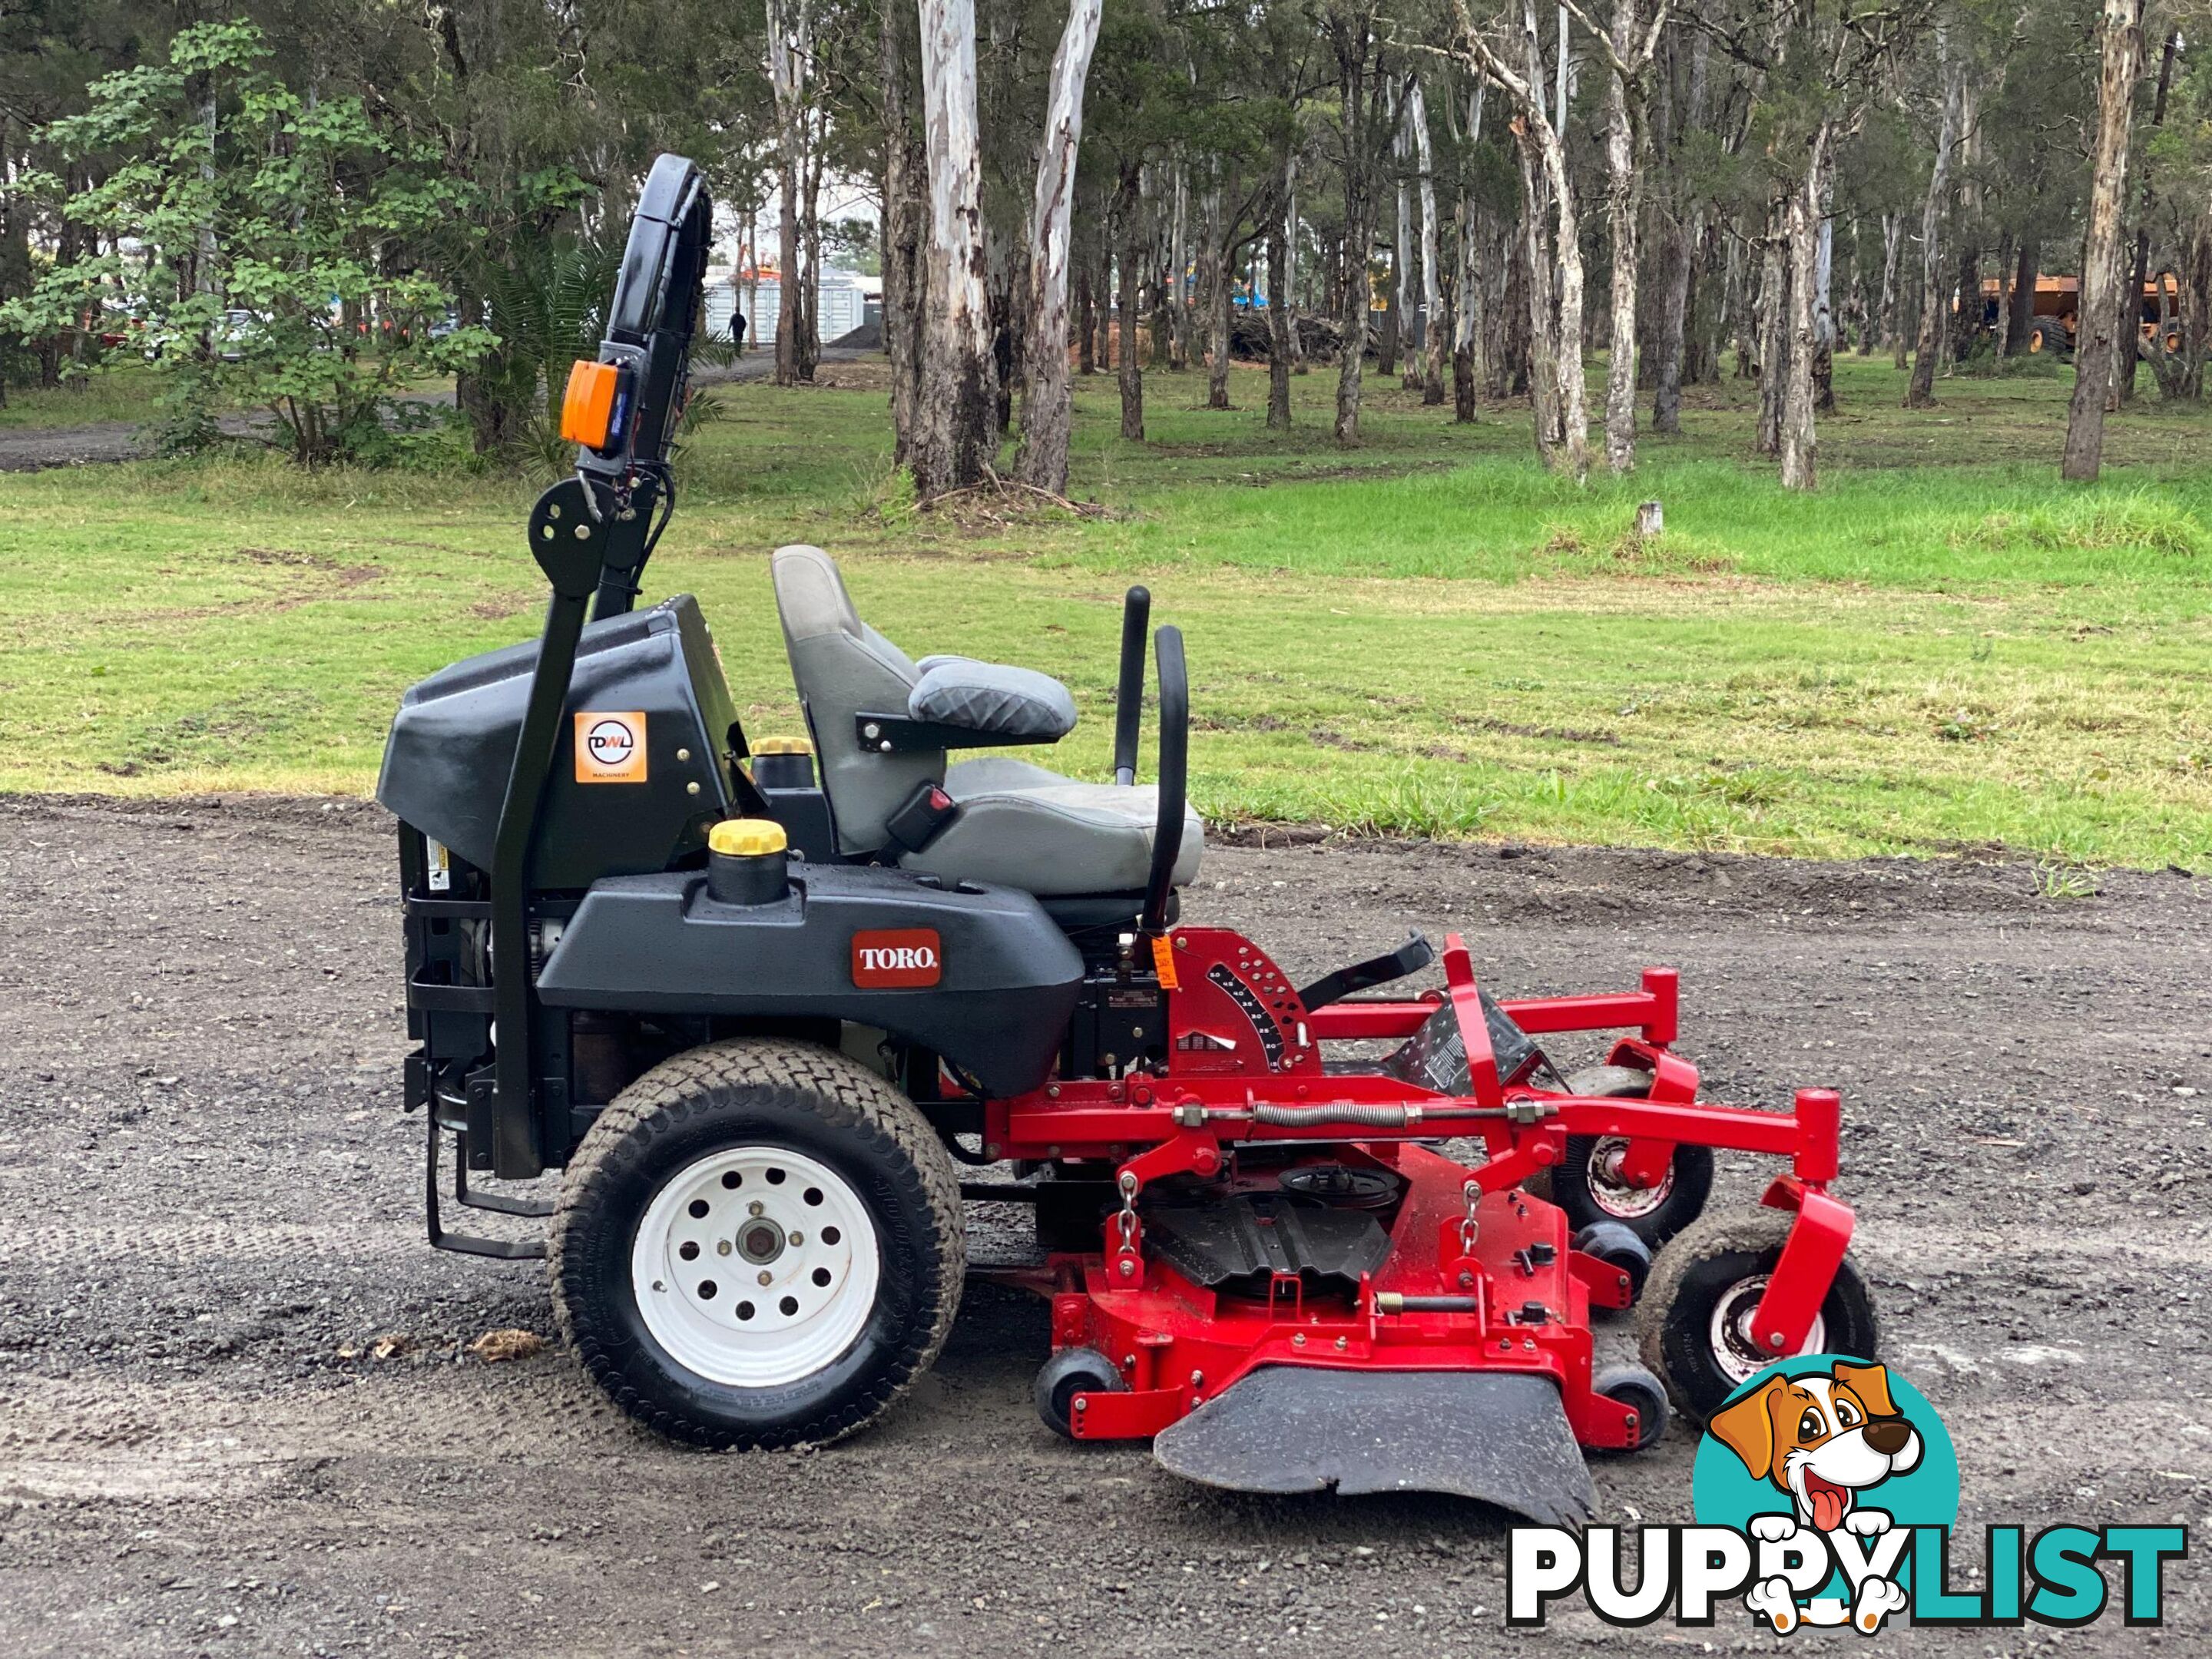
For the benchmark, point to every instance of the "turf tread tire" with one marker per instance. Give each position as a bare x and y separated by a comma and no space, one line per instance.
846,1097
1753,1231
1568,1186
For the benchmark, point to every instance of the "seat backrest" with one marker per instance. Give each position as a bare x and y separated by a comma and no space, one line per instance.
843,667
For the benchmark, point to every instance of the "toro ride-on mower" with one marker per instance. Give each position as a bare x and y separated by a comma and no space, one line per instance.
764,1001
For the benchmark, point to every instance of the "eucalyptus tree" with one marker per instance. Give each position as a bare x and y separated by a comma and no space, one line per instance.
2119,29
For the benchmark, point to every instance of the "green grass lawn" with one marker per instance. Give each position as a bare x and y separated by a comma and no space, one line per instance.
122,391
1944,648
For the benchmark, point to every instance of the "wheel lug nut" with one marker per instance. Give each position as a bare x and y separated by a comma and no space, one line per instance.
766,1277
721,1247
797,1239
756,1208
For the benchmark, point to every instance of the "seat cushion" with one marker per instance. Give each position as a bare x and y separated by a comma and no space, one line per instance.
990,696
1023,826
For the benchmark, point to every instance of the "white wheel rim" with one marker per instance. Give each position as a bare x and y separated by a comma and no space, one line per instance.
755,1266
1735,1350
1611,1193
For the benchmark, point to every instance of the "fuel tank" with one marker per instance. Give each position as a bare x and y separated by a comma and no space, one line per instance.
641,766
978,973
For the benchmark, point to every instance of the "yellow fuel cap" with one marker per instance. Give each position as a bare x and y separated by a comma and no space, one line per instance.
746,838
782,746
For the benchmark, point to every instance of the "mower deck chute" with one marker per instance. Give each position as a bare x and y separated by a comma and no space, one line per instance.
1495,1436
761,1010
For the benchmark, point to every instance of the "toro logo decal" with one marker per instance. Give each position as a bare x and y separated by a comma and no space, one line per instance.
897,959
610,748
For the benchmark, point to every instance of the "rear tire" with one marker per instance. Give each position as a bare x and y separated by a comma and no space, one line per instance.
1703,1287
759,1243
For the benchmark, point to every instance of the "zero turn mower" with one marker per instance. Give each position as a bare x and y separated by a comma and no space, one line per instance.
763,1002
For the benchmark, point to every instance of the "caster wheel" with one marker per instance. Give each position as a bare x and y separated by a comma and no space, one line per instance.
1693,1325
1588,1186
1632,1386
759,1243
1070,1372
1620,1248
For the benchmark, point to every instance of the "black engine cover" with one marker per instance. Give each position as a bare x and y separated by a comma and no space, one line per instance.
453,742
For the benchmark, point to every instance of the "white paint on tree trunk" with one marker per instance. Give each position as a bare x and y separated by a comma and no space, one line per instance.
957,428
790,67
1047,414
1434,338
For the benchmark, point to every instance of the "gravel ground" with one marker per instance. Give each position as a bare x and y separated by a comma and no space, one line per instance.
208,1217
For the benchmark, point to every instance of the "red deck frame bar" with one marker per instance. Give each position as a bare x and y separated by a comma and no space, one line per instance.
1652,1011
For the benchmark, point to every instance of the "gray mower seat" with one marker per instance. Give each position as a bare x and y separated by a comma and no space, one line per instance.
1018,825
1024,827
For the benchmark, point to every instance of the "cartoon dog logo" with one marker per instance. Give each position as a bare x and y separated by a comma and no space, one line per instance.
1822,1440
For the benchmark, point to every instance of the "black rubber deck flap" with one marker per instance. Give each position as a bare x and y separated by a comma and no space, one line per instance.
1500,1438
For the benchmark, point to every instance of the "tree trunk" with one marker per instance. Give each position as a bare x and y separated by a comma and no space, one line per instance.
1543,316
1435,330
2001,348
1967,305
790,60
1217,293
2131,300
1894,284
1102,283
1290,271
2121,58
806,352
1806,218
1132,370
1774,328
1468,312
1824,310
1279,311
1396,317
904,295
1921,394
1351,39
1178,263
956,428
1048,406
2023,293
1624,144
1574,398
1683,224
1086,325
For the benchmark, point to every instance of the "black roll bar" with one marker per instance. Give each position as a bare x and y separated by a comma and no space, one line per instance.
1175,747
1129,697
591,533
650,323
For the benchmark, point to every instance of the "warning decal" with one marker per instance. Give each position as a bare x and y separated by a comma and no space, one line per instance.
610,748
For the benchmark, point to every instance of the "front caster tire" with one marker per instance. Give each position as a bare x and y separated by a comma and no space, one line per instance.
1588,1186
759,1243
1622,1248
1642,1392
1070,1372
1693,1324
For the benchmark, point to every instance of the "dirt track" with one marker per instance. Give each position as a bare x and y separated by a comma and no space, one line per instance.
209,1198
